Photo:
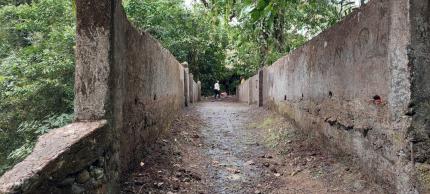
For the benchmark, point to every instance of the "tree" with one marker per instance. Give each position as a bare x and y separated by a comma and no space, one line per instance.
221,40
36,73
275,27
187,34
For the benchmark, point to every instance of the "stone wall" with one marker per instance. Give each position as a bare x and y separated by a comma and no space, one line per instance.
128,89
186,84
199,90
361,87
254,80
195,91
191,87
70,159
419,59
243,91
248,90
147,88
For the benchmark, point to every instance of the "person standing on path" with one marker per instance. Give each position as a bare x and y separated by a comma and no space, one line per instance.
217,89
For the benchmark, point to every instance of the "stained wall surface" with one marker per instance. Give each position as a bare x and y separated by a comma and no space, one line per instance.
195,92
150,93
128,89
243,91
361,87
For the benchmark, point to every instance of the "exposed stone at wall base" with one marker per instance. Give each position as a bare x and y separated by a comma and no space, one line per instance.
362,87
73,158
128,86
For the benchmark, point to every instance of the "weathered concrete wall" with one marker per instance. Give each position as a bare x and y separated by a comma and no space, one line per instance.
199,90
248,90
186,84
254,89
195,92
129,85
243,91
151,92
66,160
419,61
356,86
191,87
265,83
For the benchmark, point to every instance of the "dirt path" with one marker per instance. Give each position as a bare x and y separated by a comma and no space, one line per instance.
225,147
232,148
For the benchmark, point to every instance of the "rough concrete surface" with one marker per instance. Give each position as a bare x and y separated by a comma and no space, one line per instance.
151,92
419,107
61,155
124,76
360,86
93,48
243,91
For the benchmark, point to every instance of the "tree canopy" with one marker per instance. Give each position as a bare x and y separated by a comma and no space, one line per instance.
224,40
36,73
228,40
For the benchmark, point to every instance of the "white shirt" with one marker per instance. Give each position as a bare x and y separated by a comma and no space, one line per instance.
216,87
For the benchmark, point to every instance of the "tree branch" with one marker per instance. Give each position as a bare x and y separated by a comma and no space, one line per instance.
205,3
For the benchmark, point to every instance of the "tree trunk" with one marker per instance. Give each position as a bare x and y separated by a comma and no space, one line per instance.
278,30
264,49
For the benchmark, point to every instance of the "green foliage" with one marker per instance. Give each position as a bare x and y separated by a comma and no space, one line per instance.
186,33
28,131
36,73
262,31
231,39
222,40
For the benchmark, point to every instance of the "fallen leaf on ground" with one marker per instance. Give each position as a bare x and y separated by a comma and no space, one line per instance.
233,170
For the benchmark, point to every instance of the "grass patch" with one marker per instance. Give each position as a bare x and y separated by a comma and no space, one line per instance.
423,171
268,122
275,137
276,131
